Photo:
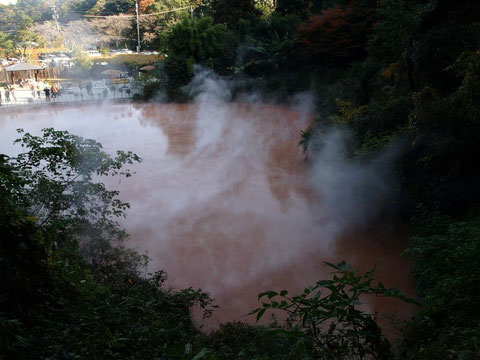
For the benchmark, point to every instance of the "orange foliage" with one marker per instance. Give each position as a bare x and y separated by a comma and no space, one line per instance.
336,35
143,4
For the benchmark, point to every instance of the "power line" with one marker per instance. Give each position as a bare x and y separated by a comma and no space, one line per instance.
166,12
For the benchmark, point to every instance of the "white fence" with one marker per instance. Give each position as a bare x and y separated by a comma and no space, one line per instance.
65,99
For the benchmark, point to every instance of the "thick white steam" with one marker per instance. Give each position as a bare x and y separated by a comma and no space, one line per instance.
224,200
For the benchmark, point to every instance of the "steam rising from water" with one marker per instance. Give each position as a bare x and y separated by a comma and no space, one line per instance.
224,201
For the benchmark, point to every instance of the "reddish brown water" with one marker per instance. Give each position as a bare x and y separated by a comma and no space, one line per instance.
224,201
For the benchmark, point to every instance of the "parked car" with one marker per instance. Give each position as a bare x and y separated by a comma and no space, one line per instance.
93,53
63,58
126,51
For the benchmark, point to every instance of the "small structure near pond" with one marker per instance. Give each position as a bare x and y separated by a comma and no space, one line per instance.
22,71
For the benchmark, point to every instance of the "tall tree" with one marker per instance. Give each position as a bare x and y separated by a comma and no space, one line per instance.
196,41
338,35
118,6
25,36
10,17
228,12
6,45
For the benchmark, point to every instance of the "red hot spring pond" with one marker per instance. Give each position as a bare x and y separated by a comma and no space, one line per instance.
223,200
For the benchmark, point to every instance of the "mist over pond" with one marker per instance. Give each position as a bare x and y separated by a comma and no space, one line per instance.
225,202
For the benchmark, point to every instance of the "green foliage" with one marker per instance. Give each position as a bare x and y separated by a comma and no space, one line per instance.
15,31
390,33
33,9
420,84
117,6
447,268
229,12
348,113
11,17
67,289
268,46
329,314
179,72
166,5
447,128
6,45
200,39
297,7
22,257
155,28
193,42
83,61
82,5
388,70
266,7
57,170
241,341
268,56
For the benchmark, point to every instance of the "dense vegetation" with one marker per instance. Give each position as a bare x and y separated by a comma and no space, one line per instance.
393,71
68,288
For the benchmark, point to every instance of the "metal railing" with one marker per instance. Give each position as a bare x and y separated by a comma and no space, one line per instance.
64,98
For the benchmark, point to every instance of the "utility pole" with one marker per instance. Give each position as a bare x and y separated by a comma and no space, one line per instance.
55,16
138,27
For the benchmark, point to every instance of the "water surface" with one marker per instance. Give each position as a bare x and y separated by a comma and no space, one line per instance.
223,200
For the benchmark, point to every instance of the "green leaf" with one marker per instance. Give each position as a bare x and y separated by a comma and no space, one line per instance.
204,352
269,294
108,332
260,313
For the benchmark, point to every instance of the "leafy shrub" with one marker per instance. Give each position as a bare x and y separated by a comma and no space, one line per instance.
193,42
68,289
329,314
242,341
447,268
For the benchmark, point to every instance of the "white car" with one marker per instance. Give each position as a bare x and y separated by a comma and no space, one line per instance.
125,51
93,53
